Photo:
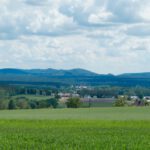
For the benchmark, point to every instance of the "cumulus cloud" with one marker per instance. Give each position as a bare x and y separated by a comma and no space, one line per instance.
103,36
36,2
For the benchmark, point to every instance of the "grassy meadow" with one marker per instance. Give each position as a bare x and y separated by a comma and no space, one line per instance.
32,97
74,129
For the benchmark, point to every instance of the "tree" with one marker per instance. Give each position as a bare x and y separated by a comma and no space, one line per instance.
120,102
57,96
11,104
140,95
73,102
53,102
139,92
3,104
33,104
22,104
43,104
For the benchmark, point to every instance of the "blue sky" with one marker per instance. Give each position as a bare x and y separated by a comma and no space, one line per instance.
104,36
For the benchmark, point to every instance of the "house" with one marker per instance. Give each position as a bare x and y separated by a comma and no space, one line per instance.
134,97
66,95
81,87
146,98
75,95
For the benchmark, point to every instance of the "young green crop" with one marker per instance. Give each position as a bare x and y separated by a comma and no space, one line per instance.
74,134
112,113
75,129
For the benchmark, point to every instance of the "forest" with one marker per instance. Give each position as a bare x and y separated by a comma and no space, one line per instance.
35,97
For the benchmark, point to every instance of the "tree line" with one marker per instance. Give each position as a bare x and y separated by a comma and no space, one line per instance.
109,91
24,103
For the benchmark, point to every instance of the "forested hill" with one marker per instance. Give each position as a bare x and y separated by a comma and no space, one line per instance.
70,77
136,75
48,72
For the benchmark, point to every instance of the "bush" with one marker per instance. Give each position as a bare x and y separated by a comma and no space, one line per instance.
53,102
120,102
11,105
33,104
3,104
22,104
42,104
73,102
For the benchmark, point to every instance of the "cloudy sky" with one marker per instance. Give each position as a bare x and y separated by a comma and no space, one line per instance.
105,36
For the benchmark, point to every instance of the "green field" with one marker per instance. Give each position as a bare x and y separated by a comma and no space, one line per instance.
75,129
96,104
32,97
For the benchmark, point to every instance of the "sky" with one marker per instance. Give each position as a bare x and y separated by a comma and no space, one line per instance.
104,36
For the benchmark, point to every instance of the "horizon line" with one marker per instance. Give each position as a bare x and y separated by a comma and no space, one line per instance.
75,69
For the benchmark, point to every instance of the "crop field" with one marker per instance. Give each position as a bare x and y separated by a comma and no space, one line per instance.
32,97
97,104
76,129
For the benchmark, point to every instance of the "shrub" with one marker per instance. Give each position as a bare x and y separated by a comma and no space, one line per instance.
11,105
53,102
33,104
73,102
3,104
120,102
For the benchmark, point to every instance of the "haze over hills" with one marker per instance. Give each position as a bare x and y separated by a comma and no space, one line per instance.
48,72
71,72
62,72
71,77
136,75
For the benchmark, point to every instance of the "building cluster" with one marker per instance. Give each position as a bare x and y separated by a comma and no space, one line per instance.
131,100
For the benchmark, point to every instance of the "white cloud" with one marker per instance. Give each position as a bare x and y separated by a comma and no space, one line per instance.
103,36
100,17
144,12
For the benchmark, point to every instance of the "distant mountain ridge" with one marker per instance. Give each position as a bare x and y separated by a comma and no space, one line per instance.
49,71
12,71
62,72
136,75
71,77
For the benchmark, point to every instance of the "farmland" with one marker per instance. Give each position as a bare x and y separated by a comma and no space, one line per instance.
91,128
32,97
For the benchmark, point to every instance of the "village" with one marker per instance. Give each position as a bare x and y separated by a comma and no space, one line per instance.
106,101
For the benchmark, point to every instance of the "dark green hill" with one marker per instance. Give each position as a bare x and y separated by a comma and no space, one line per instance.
71,77
54,72
136,75
12,71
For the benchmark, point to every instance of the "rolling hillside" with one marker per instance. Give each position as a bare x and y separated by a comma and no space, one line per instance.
71,77
136,75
